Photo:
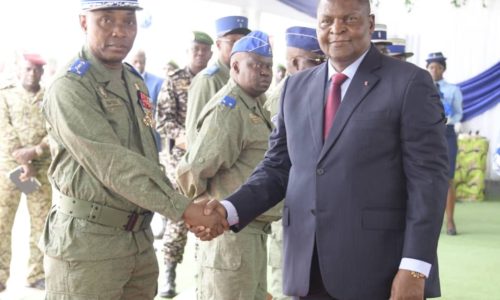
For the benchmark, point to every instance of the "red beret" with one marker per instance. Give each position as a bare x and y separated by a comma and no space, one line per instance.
34,58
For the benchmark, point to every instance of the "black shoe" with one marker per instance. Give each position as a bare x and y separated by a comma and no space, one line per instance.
39,284
2,287
451,231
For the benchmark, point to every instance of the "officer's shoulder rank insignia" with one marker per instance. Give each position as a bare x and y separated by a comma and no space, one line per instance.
228,101
79,67
133,70
211,70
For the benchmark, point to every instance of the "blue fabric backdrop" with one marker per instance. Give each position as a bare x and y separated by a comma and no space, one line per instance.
481,92
306,6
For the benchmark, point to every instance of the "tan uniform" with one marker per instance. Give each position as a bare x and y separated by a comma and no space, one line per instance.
170,120
275,242
22,125
107,171
203,87
232,138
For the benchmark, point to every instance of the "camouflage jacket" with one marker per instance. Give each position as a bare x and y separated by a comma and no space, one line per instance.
172,105
21,122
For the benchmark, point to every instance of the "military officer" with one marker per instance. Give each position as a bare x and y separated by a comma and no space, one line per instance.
398,49
204,86
233,130
170,121
97,241
302,52
24,143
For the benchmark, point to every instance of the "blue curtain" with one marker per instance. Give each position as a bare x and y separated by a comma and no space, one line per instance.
306,6
481,92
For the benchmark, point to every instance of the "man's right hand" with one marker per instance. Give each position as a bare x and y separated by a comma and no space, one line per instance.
205,226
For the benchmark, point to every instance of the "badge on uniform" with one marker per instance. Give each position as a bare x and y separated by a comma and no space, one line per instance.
145,103
228,101
254,118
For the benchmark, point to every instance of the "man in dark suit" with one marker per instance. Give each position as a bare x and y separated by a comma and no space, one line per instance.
365,193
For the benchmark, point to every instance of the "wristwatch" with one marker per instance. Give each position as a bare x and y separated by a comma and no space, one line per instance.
417,275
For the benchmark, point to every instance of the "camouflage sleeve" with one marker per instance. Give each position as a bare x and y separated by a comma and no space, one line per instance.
80,124
201,90
165,111
8,134
217,147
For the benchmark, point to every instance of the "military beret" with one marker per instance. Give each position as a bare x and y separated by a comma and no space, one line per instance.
101,4
303,38
231,24
255,42
34,58
202,37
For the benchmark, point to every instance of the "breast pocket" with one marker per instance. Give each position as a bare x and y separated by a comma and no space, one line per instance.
118,116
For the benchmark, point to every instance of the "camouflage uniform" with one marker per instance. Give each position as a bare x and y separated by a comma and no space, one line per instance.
170,120
203,87
105,166
232,140
275,243
22,125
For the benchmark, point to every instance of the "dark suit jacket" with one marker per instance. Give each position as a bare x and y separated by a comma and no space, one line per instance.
372,194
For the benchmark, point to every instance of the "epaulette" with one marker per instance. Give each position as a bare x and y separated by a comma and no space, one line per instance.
79,67
133,70
211,70
228,101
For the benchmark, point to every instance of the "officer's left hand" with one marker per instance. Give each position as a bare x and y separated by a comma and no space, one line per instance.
24,155
407,287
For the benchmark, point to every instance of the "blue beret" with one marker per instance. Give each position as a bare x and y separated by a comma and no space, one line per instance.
255,42
435,57
303,38
101,4
379,35
231,24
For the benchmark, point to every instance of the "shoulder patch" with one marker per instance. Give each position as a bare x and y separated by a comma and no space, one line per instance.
79,67
211,70
133,70
228,101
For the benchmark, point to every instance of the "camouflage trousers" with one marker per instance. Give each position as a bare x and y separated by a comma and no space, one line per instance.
175,236
39,203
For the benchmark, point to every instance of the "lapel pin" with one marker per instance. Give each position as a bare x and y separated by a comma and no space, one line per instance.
366,83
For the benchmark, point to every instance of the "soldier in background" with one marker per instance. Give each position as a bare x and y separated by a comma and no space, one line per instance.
232,139
24,143
302,52
170,123
213,78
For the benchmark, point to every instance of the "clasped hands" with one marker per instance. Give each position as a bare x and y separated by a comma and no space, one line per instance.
206,218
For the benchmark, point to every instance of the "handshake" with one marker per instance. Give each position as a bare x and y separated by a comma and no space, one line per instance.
206,218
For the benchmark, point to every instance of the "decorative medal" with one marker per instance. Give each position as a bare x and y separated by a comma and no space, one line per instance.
145,103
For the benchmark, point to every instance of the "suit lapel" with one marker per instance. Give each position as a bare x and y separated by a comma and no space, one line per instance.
315,104
362,83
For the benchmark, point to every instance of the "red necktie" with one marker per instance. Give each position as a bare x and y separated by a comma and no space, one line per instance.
332,103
